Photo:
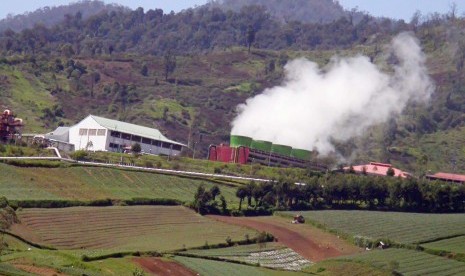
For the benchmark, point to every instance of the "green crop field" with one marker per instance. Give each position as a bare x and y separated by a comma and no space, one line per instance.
142,228
271,255
455,245
88,183
214,268
240,250
399,227
410,262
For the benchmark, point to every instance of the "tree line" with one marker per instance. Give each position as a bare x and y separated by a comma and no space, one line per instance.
348,191
191,31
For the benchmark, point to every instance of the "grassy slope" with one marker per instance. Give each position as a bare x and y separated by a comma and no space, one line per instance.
87,183
199,165
25,95
21,253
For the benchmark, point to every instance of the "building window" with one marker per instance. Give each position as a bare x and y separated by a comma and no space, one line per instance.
114,146
126,136
115,134
156,143
92,132
177,147
146,141
101,132
83,131
136,138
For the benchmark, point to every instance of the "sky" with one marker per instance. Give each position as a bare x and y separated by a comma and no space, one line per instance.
397,9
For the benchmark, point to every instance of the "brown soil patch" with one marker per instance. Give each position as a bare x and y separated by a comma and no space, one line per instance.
25,233
161,267
312,243
43,271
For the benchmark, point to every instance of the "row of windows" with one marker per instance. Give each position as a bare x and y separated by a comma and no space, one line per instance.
143,140
164,145
92,132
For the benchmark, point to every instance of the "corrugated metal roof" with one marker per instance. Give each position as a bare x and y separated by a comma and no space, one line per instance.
129,128
59,131
448,177
376,168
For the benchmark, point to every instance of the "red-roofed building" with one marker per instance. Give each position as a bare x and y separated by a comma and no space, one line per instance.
450,177
376,168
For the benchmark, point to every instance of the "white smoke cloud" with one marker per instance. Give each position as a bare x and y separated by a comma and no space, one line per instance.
339,101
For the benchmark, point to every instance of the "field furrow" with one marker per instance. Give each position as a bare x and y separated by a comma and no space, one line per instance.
126,228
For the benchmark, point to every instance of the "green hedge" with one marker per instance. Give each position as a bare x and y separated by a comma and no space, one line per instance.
94,203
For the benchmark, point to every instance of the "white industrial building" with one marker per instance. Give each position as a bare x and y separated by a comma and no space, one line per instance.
100,134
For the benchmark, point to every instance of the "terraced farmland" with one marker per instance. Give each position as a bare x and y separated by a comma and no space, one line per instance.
214,268
140,228
90,183
242,250
455,245
399,227
410,263
271,255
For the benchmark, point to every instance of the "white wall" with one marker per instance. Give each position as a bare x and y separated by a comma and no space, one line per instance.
80,141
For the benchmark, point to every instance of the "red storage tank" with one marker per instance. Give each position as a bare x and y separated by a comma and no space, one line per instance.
212,155
222,153
225,154
242,155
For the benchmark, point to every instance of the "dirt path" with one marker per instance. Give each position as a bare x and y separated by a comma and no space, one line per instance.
310,242
161,267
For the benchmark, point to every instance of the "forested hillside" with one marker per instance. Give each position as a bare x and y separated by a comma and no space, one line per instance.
185,73
314,11
49,16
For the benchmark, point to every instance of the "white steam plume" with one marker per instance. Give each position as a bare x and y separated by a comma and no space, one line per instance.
341,101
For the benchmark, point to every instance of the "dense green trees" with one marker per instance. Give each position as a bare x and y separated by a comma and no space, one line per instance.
205,201
355,191
190,31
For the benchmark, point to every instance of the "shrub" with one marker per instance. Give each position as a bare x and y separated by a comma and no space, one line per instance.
136,148
79,155
176,166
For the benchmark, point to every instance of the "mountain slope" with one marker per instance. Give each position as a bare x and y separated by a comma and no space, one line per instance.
113,65
49,16
311,11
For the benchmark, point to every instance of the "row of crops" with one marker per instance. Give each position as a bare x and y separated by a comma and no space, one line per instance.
456,245
271,255
407,228
213,268
410,262
127,228
89,183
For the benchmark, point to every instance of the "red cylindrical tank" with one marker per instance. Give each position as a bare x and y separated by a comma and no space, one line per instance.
212,153
242,155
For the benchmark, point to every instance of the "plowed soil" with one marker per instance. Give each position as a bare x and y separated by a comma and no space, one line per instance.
160,267
310,242
43,271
